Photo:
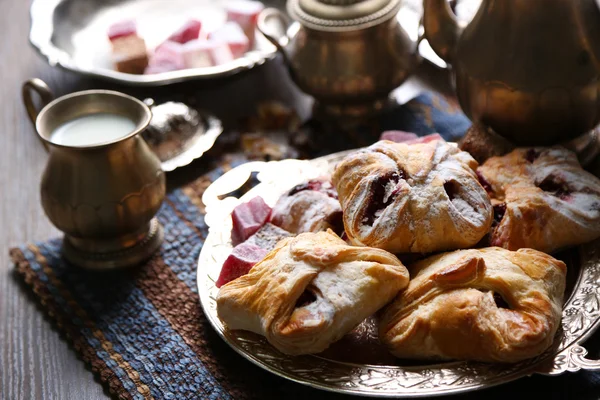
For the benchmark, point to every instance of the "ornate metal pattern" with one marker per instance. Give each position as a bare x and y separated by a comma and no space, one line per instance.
366,21
581,315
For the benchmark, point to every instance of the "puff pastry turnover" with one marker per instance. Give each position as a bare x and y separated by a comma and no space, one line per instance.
309,207
415,198
310,291
490,305
542,199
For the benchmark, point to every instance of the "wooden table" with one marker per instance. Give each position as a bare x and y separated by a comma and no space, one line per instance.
35,362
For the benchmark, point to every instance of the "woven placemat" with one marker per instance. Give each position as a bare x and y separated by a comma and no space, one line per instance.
142,330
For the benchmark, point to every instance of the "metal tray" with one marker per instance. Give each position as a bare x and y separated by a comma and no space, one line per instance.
72,34
359,366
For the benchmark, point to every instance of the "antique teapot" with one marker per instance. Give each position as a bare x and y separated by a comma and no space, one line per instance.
348,54
529,69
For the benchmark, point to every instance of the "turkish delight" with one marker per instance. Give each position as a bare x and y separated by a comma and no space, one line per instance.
232,34
167,57
425,139
205,53
243,257
245,13
248,218
189,31
128,49
398,136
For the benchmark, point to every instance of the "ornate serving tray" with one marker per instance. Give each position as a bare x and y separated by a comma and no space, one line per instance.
72,34
358,364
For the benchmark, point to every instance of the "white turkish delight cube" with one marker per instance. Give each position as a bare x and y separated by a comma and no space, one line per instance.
205,53
221,53
245,13
232,34
167,57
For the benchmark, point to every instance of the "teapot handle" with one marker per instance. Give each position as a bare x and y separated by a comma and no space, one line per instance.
263,25
43,91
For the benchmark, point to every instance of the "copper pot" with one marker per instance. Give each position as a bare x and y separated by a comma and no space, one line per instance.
529,69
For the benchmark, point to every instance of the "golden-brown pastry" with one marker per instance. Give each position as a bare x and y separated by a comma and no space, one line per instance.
414,198
542,199
309,207
310,291
490,304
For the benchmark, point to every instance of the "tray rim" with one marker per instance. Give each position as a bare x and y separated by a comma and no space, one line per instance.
566,353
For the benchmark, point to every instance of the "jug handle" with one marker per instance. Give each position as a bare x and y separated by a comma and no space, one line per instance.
43,91
263,27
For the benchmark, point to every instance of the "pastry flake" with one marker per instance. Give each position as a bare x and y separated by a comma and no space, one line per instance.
491,305
412,198
542,199
310,291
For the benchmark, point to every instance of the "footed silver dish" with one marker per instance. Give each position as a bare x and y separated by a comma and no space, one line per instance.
357,364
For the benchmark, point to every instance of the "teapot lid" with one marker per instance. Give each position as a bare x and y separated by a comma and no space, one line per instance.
342,15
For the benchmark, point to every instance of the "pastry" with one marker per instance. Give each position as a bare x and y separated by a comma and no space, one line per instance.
490,305
310,291
542,199
415,198
309,207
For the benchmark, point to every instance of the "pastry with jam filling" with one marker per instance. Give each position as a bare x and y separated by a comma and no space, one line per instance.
542,199
491,304
310,291
412,198
312,206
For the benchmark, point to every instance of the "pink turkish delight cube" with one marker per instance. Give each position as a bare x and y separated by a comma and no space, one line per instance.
167,57
205,53
232,34
426,139
189,31
245,13
398,136
248,218
121,29
241,260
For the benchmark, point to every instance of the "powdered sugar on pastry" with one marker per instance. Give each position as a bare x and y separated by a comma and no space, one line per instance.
310,207
422,197
549,201
310,291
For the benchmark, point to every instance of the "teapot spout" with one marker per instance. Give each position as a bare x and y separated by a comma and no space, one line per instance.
442,29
